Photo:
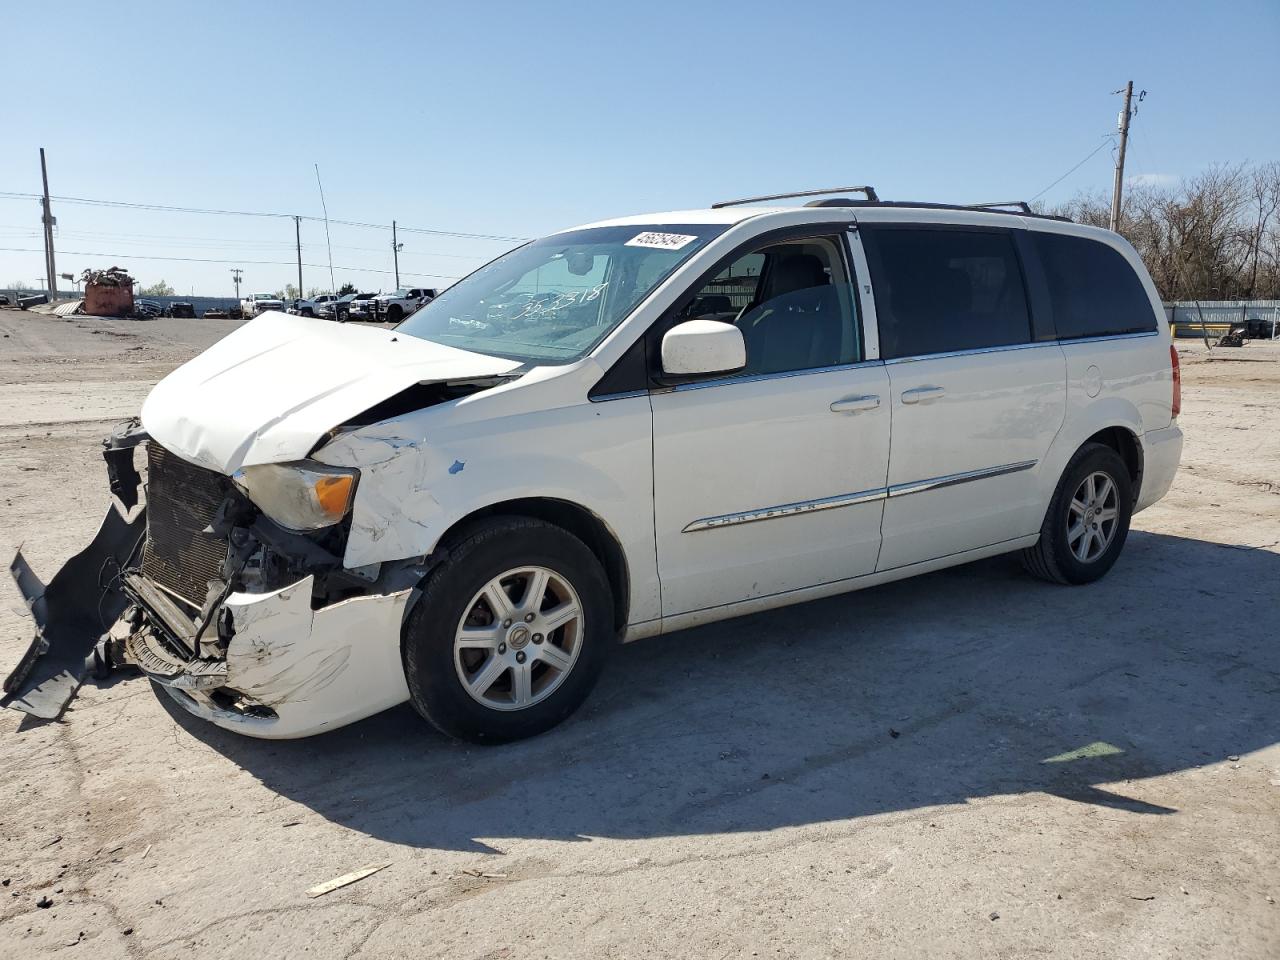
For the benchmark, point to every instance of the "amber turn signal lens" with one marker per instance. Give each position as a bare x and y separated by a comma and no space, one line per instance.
333,494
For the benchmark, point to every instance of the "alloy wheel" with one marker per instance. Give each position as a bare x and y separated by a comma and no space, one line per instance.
519,638
1092,517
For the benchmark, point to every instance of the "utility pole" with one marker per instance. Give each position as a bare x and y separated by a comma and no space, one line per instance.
1125,115
297,234
51,270
236,272
395,252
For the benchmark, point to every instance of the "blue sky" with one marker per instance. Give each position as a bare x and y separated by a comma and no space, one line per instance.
520,118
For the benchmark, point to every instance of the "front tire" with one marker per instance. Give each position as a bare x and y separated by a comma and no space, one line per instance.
510,633
1087,522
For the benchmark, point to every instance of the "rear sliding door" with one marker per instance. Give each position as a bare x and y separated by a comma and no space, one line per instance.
976,398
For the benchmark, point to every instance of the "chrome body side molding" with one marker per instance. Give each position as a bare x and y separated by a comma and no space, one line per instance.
862,496
920,486
787,509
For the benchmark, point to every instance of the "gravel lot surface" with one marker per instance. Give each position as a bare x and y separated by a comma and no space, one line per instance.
968,764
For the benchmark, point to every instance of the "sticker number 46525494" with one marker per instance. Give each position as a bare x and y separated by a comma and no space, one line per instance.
660,241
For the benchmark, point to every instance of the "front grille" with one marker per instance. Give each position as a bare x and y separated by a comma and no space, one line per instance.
181,501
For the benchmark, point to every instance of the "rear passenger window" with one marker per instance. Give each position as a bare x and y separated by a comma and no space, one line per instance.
1092,289
939,291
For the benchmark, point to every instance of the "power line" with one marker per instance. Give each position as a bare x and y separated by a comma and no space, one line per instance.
214,243
12,195
260,263
1107,139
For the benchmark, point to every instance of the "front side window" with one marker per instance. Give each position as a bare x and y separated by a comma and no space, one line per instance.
1093,290
792,301
941,291
553,300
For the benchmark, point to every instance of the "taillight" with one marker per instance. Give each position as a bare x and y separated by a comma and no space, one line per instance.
1177,380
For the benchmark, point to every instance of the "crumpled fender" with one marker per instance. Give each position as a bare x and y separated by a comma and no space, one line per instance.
411,490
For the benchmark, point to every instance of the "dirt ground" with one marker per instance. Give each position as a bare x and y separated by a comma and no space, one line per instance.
969,764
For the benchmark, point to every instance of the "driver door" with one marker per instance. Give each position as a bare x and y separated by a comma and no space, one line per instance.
772,479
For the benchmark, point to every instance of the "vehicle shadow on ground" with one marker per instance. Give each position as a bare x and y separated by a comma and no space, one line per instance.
965,683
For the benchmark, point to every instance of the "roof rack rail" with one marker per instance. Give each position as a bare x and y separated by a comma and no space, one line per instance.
996,208
1021,205
870,193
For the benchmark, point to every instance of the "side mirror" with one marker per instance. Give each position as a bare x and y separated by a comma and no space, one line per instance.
701,347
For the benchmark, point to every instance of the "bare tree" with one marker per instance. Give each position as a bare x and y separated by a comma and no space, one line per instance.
1264,201
1213,236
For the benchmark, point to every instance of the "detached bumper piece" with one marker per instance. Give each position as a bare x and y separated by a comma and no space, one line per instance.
72,613
158,662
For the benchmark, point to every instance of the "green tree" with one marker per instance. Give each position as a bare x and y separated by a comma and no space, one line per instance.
347,288
157,289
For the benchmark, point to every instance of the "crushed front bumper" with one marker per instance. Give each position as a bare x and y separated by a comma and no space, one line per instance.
291,671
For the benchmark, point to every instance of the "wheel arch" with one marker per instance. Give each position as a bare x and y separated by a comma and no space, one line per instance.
1113,421
1125,442
583,523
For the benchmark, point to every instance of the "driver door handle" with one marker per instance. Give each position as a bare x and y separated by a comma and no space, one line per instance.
856,404
923,394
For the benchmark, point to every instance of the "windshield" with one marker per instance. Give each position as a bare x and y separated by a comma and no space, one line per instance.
264,296
553,300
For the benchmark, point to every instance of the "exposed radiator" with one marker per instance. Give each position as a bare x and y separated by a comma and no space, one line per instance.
181,501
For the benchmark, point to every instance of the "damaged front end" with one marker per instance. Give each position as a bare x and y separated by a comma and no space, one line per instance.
261,587
246,623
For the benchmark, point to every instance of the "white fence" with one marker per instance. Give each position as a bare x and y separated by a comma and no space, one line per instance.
1185,316
1221,311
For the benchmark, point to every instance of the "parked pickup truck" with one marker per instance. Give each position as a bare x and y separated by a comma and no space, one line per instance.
257,303
338,309
311,307
361,306
399,304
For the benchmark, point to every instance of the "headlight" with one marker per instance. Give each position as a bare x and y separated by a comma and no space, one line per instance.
300,496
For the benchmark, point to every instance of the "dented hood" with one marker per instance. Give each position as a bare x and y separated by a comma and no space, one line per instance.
270,390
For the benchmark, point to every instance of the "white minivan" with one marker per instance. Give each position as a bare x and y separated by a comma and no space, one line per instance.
616,431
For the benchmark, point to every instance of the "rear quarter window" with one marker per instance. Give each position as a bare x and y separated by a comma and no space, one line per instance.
1093,291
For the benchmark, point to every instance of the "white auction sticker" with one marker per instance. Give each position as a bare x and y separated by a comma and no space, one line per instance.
660,241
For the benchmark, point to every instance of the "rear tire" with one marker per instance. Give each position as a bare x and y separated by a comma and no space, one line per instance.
492,675
394,313
1087,522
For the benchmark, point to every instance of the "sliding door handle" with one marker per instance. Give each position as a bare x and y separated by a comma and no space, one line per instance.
923,394
856,404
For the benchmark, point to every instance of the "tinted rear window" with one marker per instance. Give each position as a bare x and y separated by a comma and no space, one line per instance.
1092,289
939,291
